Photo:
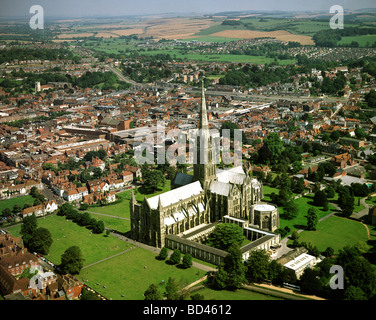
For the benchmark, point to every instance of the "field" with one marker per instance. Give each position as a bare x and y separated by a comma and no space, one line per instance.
202,29
131,273
363,41
66,233
9,203
240,294
335,232
121,209
168,28
279,35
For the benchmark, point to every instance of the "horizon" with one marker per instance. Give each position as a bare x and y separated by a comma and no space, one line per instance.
118,8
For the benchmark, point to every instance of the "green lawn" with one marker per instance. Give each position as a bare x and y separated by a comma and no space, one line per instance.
121,209
335,232
240,294
9,203
120,225
66,233
303,203
131,273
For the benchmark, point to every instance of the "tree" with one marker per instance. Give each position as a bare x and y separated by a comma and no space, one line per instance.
370,98
309,281
197,296
354,293
6,212
172,289
65,209
224,235
33,191
257,266
275,272
40,241
360,274
152,293
98,227
320,198
16,208
274,144
72,260
175,257
235,268
345,201
85,219
330,192
187,261
221,278
29,225
163,254
153,179
312,218
290,209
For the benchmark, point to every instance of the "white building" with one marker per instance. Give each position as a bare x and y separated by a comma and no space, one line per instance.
301,262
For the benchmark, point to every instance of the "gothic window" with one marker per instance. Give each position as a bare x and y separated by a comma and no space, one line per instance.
265,223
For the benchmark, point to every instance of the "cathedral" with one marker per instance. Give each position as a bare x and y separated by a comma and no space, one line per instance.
201,199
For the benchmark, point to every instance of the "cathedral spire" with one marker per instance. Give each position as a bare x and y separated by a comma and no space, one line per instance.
203,114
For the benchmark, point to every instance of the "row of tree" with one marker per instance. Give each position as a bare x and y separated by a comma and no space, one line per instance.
82,219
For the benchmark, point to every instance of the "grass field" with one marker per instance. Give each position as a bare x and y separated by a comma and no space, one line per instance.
9,203
131,273
303,203
363,41
240,294
66,233
121,209
335,232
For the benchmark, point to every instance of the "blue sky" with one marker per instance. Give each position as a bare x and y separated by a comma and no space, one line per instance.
80,8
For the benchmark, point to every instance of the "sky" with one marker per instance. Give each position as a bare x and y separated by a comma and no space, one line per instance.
87,8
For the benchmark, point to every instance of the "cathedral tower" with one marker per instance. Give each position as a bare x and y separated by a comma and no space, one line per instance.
204,170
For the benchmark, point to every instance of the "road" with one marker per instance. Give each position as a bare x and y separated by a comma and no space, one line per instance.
125,79
49,194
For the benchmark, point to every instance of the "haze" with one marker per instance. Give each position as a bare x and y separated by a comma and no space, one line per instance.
91,8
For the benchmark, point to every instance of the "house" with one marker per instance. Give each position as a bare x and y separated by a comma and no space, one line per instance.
50,206
135,170
83,191
343,160
38,211
97,186
97,163
264,169
127,177
72,195
41,280
71,286
110,197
